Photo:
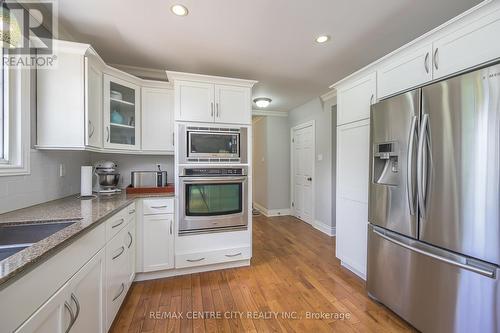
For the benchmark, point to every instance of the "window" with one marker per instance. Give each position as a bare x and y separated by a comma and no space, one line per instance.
15,102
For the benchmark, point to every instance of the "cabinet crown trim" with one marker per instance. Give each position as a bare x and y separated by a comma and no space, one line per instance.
182,76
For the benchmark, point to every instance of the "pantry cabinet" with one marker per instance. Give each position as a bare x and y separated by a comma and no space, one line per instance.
157,118
122,118
211,99
353,144
354,99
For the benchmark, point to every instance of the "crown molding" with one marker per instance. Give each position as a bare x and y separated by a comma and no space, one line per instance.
269,113
143,72
329,95
172,76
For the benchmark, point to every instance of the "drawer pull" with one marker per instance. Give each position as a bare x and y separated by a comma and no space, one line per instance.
158,207
132,211
71,315
120,293
195,260
119,224
130,244
233,255
119,254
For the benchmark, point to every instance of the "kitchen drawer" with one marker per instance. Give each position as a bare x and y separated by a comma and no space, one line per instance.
212,257
158,206
116,223
130,212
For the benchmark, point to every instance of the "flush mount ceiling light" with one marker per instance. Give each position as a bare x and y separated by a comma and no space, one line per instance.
179,10
322,39
262,102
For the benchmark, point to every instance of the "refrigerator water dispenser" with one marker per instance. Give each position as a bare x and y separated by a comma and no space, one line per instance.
386,164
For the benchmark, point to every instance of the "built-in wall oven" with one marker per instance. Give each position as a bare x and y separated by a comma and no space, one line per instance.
212,199
204,144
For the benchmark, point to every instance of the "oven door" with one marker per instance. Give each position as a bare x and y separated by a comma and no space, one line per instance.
212,203
213,145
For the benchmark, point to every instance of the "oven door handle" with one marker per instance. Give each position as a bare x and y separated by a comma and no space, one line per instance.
201,180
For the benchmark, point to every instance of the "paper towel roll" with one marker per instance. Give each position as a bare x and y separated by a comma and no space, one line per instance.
86,181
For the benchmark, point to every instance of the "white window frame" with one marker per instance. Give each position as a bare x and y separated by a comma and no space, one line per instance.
17,123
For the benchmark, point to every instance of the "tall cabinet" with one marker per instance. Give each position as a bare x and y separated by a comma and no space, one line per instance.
353,140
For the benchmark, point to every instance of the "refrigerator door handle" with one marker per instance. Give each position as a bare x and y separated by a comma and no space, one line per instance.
475,269
422,165
409,170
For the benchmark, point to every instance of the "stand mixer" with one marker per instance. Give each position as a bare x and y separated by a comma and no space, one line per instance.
107,177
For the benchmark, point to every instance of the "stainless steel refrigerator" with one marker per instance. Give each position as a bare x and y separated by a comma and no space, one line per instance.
434,204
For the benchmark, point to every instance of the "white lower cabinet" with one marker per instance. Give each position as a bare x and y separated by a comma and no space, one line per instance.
76,307
158,242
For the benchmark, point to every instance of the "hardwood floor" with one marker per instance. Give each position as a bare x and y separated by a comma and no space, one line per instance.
293,272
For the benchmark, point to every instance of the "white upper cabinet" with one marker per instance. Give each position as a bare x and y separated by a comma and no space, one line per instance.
354,99
404,71
93,102
68,97
122,118
209,99
469,45
232,104
157,119
194,101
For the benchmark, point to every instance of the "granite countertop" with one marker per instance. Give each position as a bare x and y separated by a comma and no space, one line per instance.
87,213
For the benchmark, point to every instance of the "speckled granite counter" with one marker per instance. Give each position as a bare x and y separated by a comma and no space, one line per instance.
87,214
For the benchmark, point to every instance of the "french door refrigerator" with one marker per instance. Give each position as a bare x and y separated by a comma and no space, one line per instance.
434,204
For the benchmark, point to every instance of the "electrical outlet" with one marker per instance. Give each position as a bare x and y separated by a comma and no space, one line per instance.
62,170
158,166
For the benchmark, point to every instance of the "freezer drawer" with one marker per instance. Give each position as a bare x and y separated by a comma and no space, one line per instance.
432,289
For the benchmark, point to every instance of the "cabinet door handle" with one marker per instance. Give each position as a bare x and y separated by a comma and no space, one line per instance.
435,58
107,133
71,315
170,226
77,303
371,99
118,224
233,255
132,211
173,139
195,260
212,109
217,108
426,63
92,129
122,249
120,293
130,244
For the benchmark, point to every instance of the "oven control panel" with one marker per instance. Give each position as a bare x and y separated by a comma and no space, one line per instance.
214,172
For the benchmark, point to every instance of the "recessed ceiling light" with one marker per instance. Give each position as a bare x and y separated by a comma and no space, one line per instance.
262,102
322,39
179,10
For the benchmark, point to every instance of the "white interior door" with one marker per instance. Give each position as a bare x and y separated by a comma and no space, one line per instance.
303,170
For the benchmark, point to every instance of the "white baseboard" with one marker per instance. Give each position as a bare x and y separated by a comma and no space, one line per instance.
354,270
324,228
189,270
272,212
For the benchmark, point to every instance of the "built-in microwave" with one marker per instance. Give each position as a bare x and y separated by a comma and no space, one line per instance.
212,144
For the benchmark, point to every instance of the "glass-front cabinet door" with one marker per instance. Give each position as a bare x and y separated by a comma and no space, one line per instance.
121,114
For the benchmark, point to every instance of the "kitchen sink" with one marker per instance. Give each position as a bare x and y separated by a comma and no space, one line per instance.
14,238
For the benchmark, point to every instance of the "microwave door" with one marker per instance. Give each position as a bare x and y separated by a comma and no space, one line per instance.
213,144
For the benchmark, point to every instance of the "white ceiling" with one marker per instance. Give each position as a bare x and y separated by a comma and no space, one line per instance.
271,41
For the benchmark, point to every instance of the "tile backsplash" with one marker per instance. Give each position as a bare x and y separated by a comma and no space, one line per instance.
43,183
129,163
